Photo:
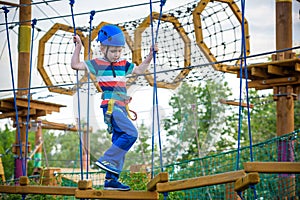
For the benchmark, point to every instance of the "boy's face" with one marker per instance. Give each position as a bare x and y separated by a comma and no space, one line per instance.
112,53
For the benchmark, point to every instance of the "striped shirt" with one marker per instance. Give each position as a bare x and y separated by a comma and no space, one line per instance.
111,77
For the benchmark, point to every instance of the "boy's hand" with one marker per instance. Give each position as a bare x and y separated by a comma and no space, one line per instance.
155,48
77,40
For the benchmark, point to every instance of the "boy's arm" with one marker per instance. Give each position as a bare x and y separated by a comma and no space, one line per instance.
145,64
75,60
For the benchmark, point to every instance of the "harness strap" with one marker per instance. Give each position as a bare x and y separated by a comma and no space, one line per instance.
110,108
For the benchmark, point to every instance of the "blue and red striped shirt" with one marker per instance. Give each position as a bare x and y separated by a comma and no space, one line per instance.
111,77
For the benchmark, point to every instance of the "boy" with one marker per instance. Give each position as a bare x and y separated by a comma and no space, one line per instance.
110,72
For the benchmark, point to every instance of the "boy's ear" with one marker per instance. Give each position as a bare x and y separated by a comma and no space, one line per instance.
102,48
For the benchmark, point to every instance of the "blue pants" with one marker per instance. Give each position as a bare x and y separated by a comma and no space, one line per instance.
124,135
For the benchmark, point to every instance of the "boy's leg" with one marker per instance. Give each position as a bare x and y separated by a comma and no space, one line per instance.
124,136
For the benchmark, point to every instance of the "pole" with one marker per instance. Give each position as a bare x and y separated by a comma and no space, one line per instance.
23,73
284,98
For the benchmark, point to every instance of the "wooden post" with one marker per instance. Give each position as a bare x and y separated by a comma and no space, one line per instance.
23,70
283,94
2,174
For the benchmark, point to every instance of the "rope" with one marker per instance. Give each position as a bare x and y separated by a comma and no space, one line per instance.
88,97
13,85
29,97
155,97
84,13
162,71
78,98
244,61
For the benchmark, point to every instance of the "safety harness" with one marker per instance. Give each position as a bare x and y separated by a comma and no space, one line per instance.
121,100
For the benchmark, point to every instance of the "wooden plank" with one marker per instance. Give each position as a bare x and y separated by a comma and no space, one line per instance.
234,103
160,178
20,113
274,81
57,126
23,102
272,167
109,194
67,191
243,183
259,72
273,69
200,181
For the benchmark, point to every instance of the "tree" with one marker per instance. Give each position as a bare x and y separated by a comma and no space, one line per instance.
7,140
198,120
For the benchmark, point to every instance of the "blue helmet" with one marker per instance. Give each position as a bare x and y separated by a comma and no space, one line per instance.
111,35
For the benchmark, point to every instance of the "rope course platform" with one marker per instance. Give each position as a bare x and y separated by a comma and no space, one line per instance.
272,74
37,108
272,167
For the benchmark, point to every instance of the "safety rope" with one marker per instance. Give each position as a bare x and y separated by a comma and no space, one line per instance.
244,62
14,89
88,97
34,21
78,97
155,97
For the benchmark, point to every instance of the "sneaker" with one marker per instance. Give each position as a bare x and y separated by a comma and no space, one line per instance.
115,185
107,166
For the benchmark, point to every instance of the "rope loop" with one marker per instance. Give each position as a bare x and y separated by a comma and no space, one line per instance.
34,21
163,2
5,9
72,2
92,15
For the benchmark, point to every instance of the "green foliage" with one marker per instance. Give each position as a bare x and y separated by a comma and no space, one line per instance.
198,120
137,181
7,139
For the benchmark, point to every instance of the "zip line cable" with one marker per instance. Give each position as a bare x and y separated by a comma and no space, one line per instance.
85,13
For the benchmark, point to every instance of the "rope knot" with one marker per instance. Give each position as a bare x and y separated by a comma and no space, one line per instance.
92,14
5,9
72,2
33,22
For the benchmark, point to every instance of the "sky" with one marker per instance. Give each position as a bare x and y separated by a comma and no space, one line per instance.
260,15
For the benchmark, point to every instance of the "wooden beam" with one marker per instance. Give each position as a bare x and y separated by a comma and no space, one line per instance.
109,194
234,103
273,69
160,178
243,183
20,113
274,81
85,184
200,181
57,126
259,72
50,190
272,167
